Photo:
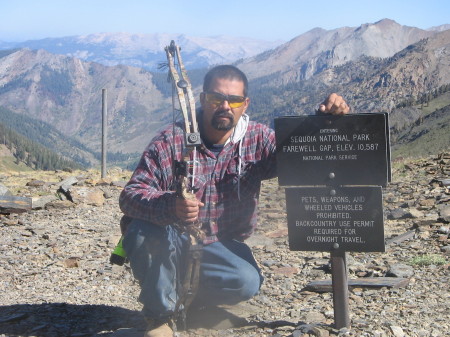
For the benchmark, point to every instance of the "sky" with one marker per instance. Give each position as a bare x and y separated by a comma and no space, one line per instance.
270,20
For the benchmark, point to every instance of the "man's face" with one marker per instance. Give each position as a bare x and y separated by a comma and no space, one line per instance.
217,112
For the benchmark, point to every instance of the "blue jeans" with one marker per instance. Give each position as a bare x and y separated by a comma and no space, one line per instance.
229,273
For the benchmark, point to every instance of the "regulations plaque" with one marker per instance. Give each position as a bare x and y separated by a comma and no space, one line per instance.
333,150
327,218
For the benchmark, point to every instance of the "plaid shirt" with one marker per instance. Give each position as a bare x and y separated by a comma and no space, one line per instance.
229,211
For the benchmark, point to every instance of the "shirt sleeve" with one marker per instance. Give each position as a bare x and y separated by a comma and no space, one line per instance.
147,195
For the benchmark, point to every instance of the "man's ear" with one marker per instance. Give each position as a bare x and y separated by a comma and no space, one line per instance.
247,103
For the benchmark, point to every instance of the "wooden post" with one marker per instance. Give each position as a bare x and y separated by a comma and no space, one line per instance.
340,289
104,132
13,204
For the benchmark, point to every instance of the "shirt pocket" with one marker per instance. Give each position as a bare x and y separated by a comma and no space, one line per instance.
244,183
199,185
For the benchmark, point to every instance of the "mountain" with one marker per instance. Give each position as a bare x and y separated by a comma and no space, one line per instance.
66,93
373,66
440,28
369,84
410,73
29,153
40,132
147,50
428,134
319,49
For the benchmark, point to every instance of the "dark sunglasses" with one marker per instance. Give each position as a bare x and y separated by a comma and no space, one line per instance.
216,98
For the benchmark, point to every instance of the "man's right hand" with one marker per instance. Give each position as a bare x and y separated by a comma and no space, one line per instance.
335,105
187,210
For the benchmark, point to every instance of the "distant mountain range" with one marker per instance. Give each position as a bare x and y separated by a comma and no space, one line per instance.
147,50
369,83
320,49
377,67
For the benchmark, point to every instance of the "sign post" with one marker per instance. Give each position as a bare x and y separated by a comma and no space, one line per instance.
104,132
340,289
333,168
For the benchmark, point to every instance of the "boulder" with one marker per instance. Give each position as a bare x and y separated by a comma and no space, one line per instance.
400,270
87,195
40,202
4,190
67,183
444,213
35,183
59,204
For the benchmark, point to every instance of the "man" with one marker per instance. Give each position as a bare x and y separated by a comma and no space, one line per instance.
235,156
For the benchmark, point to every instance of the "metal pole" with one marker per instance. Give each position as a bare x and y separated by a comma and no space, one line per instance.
104,131
340,289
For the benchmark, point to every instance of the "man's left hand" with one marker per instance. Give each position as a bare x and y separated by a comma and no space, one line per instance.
334,104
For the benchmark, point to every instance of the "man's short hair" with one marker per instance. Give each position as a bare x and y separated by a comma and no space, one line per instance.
225,72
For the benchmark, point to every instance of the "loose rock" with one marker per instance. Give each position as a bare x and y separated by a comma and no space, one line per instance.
57,280
400,270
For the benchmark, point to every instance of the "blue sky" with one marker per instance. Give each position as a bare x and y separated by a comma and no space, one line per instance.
263,19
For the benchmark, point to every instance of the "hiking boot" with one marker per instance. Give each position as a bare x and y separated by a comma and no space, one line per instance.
158,328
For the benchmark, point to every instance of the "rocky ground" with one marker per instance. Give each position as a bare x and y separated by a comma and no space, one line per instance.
56,279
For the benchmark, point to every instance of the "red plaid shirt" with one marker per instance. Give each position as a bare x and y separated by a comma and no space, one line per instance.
228,213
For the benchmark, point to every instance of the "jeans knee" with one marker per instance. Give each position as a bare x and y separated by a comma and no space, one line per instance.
250,283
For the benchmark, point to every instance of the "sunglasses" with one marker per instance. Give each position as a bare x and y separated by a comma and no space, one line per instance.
217,99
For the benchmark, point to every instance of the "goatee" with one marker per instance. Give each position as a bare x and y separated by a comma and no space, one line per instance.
223,121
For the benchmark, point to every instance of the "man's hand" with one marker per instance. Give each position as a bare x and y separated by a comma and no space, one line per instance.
334,104
187,210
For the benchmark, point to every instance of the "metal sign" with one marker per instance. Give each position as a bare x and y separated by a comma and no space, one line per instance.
329,218
333,150
325,153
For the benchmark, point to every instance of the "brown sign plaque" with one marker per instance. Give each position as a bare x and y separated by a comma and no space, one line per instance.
328,218
333,150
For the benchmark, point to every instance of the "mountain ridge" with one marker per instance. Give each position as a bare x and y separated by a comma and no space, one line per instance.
147,50
369,84
66,91
318,49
